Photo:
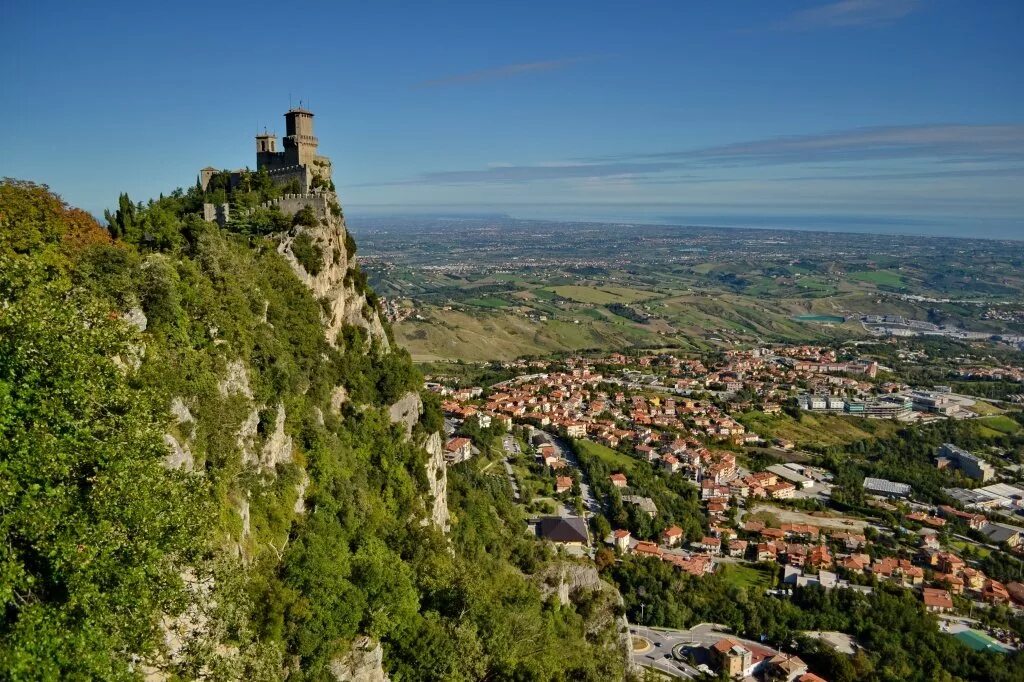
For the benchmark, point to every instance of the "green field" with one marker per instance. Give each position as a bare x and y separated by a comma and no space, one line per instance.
614,459
742,575
887,278
1000,423
487,302
819,429
601,295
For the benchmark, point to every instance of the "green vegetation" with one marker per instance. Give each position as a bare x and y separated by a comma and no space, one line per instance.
900,640
613,459
600,295
740,575
816,430
97,533
308,253
1000,423
676,499
886,278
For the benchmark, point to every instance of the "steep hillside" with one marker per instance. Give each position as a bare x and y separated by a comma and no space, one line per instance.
214,463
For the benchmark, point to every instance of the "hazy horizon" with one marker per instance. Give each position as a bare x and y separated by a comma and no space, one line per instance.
841,112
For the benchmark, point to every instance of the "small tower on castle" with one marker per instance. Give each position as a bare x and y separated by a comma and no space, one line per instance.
299,142
266,150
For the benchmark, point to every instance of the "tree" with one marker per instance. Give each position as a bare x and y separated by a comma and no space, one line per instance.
94,529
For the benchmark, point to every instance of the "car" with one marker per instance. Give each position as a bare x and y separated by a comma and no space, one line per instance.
668,656
657,644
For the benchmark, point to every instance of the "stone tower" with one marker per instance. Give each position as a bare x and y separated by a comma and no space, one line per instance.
297,165
299,142
266,149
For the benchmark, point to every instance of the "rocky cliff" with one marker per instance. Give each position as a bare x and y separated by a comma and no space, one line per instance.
333,280
230,464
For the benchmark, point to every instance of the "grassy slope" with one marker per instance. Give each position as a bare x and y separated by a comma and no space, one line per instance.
612,458
820,429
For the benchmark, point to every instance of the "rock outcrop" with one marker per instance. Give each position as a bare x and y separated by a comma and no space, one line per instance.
437,482
364,663
406,411
333,284
246,438
180,455
179,447
235,381
278,448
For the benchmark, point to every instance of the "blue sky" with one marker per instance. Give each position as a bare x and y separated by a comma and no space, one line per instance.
856,112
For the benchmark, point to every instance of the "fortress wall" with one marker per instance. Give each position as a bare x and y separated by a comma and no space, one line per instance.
290,204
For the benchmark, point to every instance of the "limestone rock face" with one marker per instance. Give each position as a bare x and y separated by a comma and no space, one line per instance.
278,448
180,455
364,663
437,481
179,450
236,380
247,435
339,396
406,411
180,411
332,285
136,318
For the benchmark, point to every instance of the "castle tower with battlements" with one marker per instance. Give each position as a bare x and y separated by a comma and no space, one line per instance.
297,164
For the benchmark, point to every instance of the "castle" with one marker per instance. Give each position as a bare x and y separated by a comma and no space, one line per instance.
298,161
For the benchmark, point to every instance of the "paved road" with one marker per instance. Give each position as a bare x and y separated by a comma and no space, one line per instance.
590,502
511,450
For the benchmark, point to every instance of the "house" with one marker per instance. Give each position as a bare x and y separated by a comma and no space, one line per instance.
672,536
952,582
621,538
671,463
950,563
645,504
619,480
697,565
711,545
563,484
457,450
786,667
999,533
1016,592
564,530
973,579
937,601
738,548
647,548
732,658
819,557
810,677
856,562
995,592
781,491
575,430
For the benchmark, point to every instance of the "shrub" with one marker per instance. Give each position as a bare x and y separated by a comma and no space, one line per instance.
308,253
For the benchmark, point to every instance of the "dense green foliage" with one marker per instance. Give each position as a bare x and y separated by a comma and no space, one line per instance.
97,533
93,528
675,497
901,641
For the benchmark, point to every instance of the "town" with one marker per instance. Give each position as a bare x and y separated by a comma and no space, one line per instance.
681,460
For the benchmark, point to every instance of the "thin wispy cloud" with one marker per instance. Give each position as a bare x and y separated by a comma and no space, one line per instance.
943,142
507,71
990,150
847,13
541,171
